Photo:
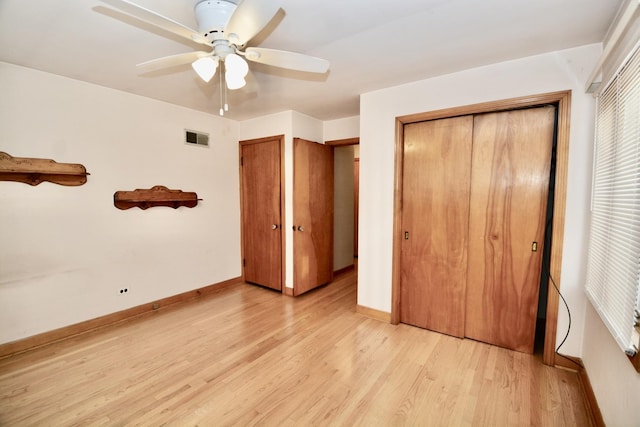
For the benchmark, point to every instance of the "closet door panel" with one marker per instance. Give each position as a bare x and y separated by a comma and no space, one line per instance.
509,189
436,176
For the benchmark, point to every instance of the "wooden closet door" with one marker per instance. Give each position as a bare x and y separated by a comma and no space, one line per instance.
435,211
509,190
261,212
312,215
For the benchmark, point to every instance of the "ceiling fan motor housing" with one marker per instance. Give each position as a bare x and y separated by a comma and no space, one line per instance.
212,17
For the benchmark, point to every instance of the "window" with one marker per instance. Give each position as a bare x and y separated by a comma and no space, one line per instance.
613,273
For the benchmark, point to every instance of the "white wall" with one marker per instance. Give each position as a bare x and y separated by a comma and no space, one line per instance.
615,382
66,251
564,70
307,127
348,127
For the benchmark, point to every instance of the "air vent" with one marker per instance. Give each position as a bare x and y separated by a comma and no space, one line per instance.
196,138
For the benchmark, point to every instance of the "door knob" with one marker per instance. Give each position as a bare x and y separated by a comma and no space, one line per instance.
274,226
300,228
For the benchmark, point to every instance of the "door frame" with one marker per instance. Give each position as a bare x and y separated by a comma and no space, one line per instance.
563,101
242,143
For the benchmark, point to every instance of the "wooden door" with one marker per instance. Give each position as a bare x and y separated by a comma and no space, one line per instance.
435,211
509,190
313,215
261,211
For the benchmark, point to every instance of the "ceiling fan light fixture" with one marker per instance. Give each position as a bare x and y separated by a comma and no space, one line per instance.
205,67
234,81
236,65
236,69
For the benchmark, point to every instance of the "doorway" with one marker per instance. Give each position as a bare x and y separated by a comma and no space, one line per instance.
346,195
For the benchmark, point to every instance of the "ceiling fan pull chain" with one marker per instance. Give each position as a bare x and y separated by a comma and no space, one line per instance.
221,89
226,99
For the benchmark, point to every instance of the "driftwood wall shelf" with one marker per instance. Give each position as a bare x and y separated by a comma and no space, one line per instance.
34,171
155,196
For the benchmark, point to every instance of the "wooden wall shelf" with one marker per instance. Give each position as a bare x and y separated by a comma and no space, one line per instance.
155,196
33,171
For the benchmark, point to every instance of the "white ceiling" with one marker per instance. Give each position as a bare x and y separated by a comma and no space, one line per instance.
371,44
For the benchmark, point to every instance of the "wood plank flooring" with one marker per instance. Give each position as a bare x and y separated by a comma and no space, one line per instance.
251,356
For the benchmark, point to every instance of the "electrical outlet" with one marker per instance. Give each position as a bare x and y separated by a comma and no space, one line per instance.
124,291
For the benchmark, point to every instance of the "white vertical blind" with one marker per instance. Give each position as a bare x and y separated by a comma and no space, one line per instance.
613,273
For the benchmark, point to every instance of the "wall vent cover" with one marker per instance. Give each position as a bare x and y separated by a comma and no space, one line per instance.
196,138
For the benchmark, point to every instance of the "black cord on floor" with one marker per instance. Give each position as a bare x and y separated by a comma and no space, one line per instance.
568,328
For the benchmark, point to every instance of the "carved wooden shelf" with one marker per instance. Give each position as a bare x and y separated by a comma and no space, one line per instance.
34,171
155,196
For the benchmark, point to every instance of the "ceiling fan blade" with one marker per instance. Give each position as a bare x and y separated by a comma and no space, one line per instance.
158,20
285,59
172,61
249,18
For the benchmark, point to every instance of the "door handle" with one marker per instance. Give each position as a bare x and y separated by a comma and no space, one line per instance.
274,226
300,228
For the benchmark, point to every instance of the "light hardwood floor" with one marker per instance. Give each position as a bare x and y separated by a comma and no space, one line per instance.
247,355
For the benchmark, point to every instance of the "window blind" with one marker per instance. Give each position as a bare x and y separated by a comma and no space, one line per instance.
613,271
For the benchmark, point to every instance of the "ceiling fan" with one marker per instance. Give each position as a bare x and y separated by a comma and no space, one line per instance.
225,28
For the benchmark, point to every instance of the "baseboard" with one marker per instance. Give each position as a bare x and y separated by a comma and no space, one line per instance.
344,270
568,362
382,316
564,361
50,337
288,291
590,397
